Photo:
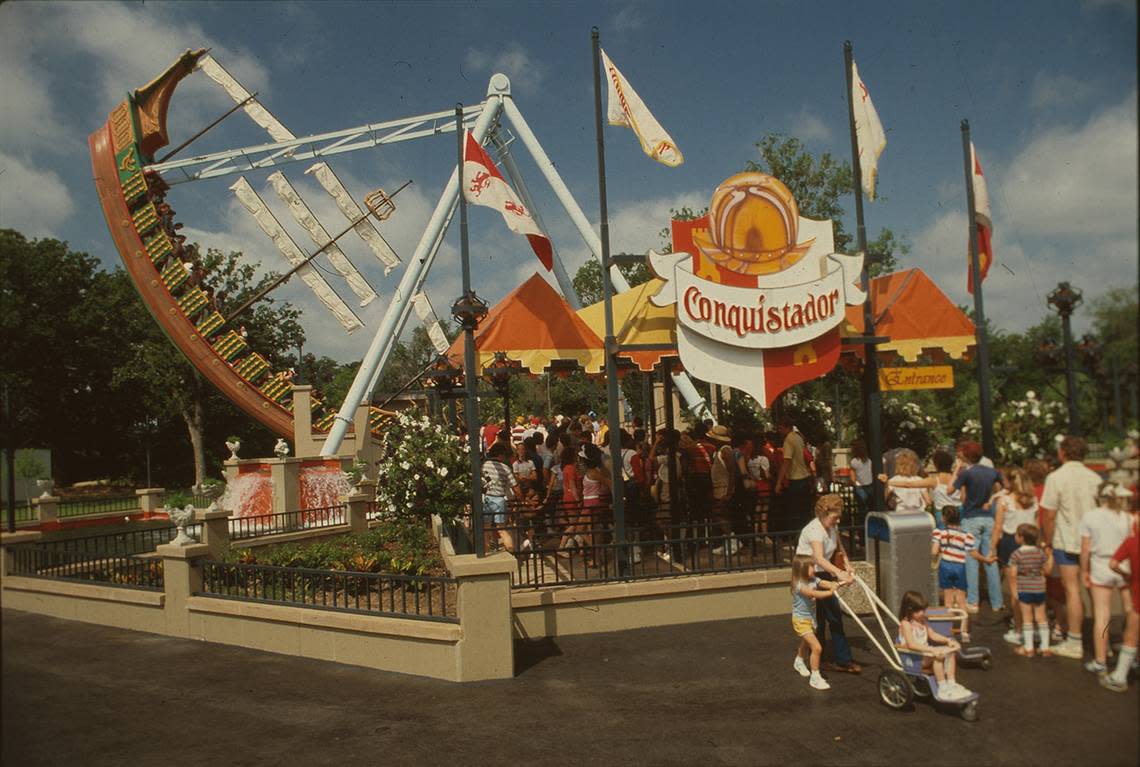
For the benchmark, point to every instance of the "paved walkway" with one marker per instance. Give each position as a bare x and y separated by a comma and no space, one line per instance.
715,693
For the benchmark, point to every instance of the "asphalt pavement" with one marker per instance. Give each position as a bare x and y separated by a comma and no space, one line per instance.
703,694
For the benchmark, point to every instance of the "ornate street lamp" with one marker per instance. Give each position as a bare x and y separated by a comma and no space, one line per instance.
499,373
443,376
1065,299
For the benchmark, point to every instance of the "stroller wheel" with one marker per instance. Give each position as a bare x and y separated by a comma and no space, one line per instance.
922,687
986,663
970,711
895,689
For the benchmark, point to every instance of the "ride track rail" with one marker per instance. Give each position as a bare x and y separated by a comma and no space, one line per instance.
121,151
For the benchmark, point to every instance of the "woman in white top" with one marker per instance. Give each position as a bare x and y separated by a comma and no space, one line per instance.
1015,505
1102,531
907,499
820,540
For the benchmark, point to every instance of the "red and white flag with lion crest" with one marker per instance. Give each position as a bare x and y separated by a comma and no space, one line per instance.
484,185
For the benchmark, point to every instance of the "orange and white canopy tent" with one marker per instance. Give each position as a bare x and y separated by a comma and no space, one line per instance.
917,317
909,309
534,326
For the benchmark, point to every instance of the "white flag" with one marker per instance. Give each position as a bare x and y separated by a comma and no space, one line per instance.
428,317
868,132
484,185
238,93
626,108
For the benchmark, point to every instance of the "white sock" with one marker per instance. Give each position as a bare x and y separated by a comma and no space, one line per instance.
1027,636
1043,635
1123,663
1074,637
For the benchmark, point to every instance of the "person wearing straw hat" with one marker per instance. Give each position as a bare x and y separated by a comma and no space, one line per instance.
724,474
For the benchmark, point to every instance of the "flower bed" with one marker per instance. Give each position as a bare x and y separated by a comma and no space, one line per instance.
392,547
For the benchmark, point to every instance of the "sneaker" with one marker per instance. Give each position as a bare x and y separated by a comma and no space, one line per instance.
1070,648
1057,636
1013,636
949,691
972,609
1109,683
801,667
817,682
1095,667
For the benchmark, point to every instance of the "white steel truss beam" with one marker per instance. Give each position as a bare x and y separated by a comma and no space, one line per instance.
319,145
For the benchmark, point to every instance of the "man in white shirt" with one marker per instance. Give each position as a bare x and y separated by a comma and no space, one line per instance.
1070,491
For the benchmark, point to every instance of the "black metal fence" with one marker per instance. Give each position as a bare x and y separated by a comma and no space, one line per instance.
120,543
287,522
421,597
85,507
559,544
111,569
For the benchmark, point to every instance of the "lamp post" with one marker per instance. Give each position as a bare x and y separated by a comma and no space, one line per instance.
498,372
1065,299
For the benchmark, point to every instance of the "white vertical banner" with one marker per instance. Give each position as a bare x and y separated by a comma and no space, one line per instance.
293,254
351,211
238,93
304,216
428,317
868,132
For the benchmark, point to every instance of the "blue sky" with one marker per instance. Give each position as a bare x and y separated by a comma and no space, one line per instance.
1050,90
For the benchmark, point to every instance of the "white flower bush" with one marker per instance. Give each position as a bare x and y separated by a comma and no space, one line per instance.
1024,429
423,470
905,424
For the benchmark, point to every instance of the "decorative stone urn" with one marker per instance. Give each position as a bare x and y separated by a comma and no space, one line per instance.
233,446
181,518
281,449
46,485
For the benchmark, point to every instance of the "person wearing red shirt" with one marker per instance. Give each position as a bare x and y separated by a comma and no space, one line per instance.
490,431
1129,552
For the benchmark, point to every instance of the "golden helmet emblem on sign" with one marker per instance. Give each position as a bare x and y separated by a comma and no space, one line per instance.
753,225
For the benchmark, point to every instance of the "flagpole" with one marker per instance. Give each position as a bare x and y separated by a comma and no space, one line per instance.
872,405
469,319
989,447
607,292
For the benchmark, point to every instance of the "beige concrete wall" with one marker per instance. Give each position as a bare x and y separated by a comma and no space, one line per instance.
640,604
123,608
390,644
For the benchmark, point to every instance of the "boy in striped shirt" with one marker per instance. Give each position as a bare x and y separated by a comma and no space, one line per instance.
952,545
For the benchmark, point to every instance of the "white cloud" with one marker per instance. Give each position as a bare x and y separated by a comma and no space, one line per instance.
119,47
1059,91
525,73
808,126
1068,182
628,19
32,200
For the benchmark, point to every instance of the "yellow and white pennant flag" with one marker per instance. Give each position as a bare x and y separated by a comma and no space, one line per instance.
626,108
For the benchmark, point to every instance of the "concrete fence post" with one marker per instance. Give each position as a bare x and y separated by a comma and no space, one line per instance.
11,539
285,473
484,607
47,509
215,530
150,500
356,506
181,577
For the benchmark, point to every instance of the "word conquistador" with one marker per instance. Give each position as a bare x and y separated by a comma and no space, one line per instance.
746,319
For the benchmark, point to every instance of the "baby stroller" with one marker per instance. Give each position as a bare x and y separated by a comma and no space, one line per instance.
905,678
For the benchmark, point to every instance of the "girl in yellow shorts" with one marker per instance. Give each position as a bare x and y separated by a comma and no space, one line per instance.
806,588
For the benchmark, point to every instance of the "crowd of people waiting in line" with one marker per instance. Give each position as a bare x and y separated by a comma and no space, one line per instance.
738,484
1040,532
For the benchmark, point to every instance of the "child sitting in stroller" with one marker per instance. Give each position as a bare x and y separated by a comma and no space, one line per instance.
939,652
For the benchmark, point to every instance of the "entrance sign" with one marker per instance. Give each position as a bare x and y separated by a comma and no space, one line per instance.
760,293
927,377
